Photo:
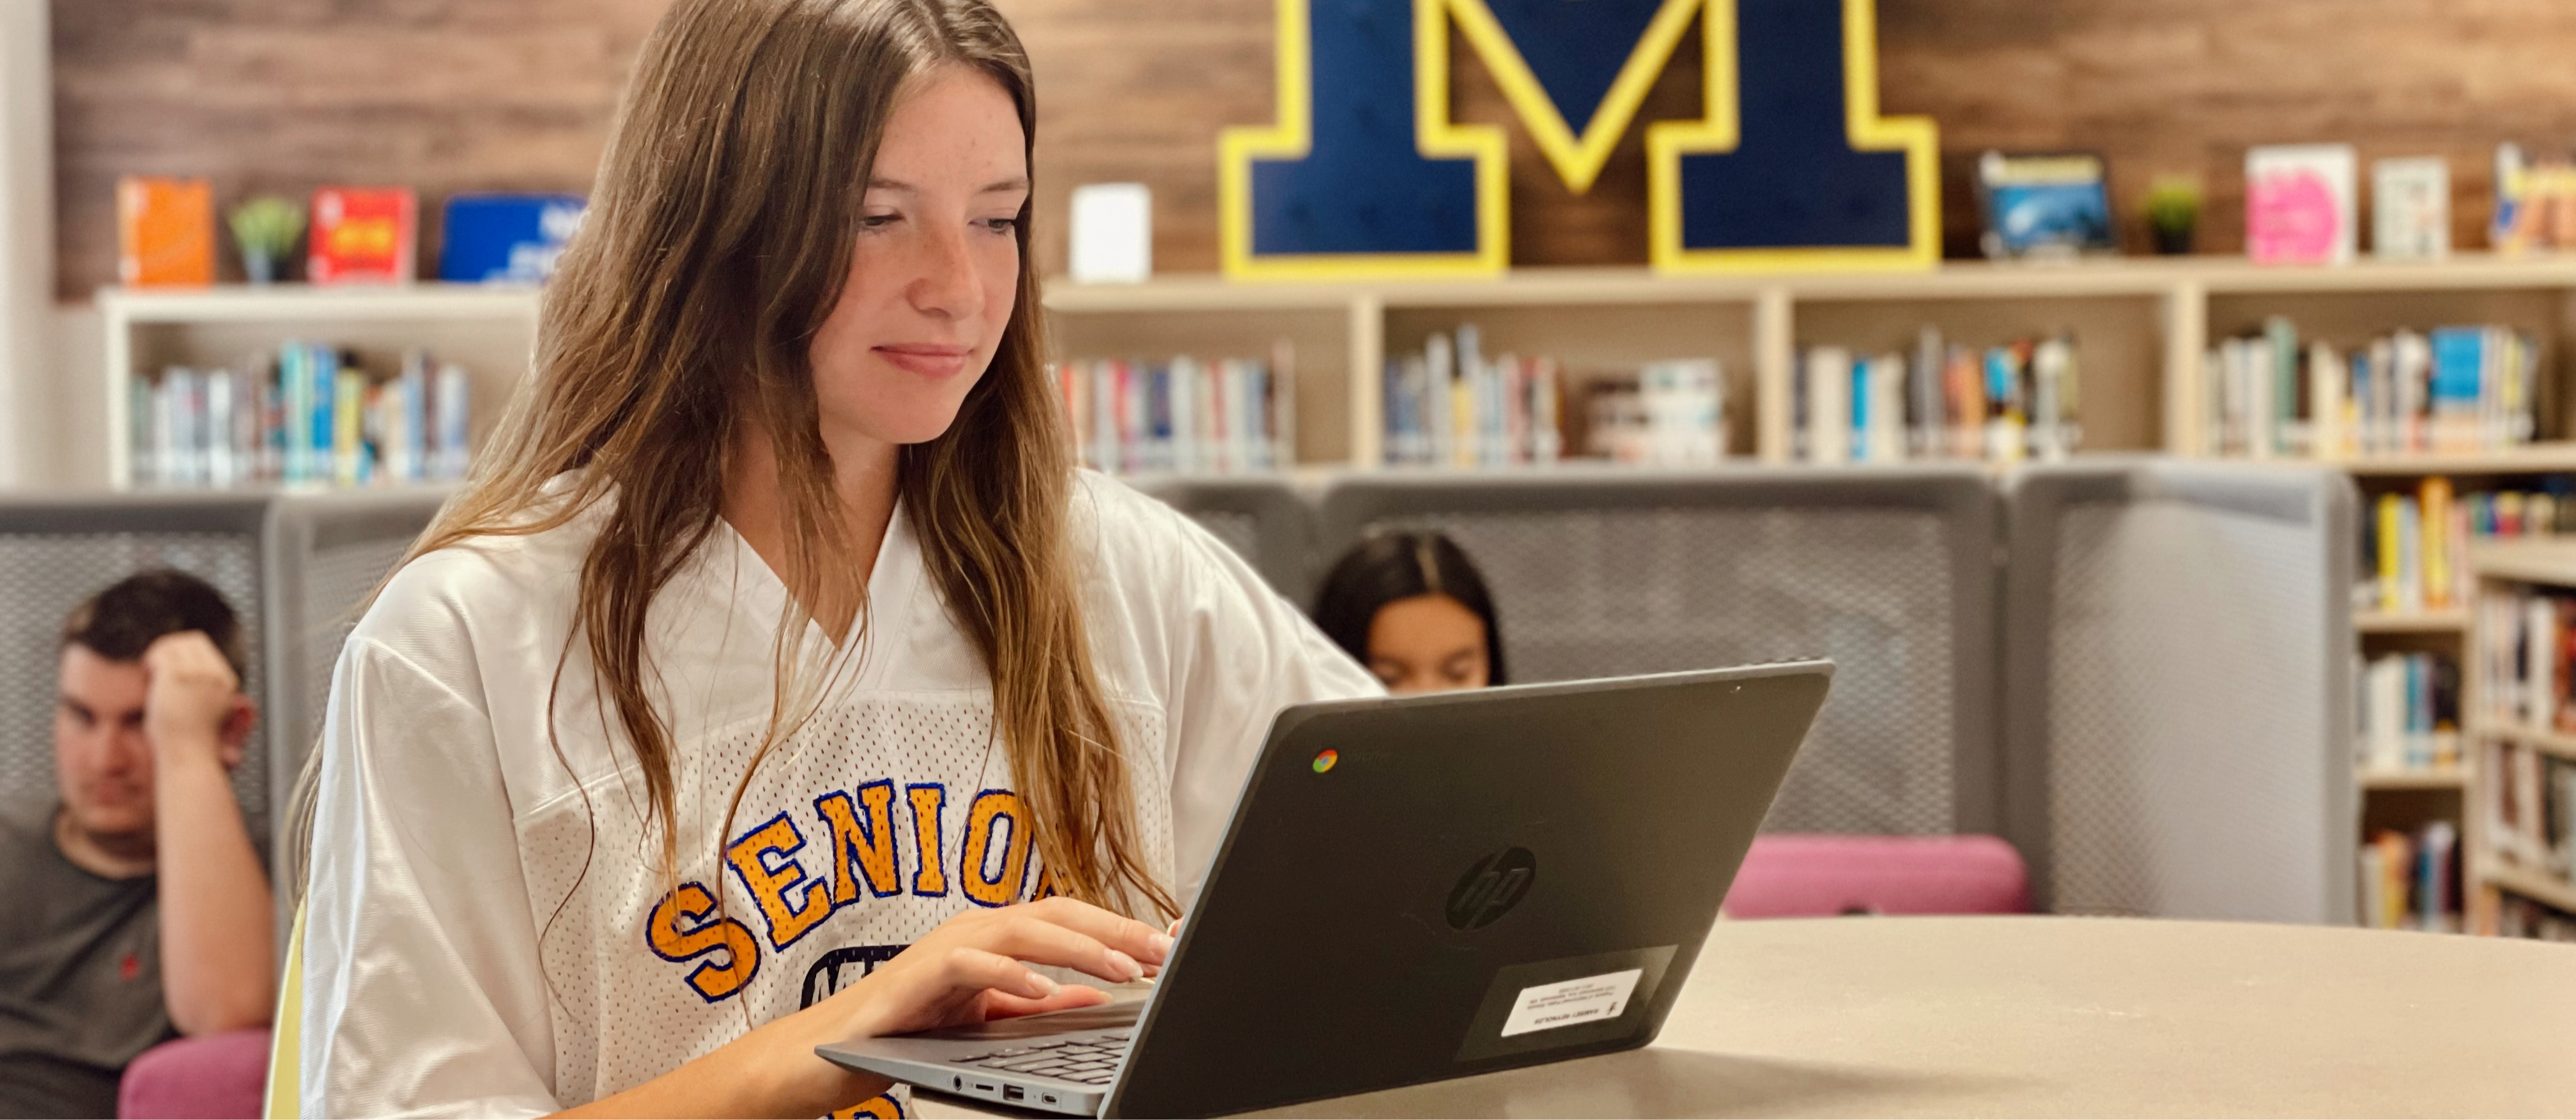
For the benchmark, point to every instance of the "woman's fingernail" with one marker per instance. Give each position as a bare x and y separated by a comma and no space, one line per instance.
1174,929
1163,946
1125,965
1046,984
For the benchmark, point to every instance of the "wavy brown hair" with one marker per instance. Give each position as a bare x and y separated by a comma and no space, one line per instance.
719,237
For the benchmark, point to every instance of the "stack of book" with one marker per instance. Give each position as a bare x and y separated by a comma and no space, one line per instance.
2410,712
2414,546
2525,654
2002,404
1451,406
2530,809
310,415
2412,882
1184,415
1670,414
2517,916
2457,390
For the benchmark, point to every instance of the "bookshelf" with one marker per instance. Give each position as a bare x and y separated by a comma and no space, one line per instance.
2142,327
2502,870
490,330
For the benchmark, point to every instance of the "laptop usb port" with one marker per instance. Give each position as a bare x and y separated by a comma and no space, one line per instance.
1013,1093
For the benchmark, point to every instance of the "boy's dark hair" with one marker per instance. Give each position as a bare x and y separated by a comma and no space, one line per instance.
1398,565
122,621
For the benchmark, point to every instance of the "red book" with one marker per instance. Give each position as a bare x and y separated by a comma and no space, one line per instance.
363,235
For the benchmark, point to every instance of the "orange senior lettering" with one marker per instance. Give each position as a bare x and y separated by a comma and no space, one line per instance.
928,838
862,841
669,939
789,911
992,809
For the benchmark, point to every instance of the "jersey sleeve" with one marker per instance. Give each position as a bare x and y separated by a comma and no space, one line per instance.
422,990
1244,653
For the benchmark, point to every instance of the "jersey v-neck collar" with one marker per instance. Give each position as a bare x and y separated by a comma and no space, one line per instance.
885,623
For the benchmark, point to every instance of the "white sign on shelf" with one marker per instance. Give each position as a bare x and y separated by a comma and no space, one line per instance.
1113,233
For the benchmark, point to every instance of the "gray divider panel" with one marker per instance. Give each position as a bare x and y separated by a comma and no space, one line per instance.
2177,689
1262,519
55,552
1888,572
327,552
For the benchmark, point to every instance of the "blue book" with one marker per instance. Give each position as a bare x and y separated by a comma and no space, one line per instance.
506,238
1860,407
1158,418
320,424
294,421
2458,355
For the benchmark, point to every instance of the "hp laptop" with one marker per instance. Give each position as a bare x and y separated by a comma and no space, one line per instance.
1422,888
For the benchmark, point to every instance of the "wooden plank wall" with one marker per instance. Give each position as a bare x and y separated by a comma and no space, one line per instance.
448,95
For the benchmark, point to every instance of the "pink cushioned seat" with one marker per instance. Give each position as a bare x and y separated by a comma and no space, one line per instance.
1791,875
216,1077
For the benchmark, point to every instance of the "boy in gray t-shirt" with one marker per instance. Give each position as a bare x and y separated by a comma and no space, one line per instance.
136,906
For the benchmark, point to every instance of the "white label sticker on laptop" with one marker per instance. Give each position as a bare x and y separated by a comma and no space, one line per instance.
1567,1003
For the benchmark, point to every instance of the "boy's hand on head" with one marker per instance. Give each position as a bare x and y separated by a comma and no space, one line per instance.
193,700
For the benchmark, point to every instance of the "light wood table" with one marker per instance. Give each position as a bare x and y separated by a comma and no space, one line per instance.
2040,1016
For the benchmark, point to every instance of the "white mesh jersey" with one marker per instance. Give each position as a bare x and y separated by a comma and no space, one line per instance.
488,928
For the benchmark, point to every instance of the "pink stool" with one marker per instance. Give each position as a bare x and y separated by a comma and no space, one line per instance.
216,1077
1790,875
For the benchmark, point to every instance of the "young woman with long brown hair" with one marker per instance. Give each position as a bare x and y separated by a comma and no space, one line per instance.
777,678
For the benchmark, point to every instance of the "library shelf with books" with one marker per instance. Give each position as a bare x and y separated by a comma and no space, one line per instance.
2522,727
2143,325
486,333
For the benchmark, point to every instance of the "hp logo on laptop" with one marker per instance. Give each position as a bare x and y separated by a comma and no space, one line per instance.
1491,888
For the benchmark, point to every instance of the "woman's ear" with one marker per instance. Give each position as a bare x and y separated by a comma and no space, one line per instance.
235,733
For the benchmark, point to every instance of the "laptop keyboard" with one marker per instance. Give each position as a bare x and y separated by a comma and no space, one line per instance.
1087,1061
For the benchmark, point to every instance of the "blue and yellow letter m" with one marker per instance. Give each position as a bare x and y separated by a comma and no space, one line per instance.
1365,175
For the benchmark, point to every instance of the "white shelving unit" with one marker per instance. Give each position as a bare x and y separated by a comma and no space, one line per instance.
2142,327
491,330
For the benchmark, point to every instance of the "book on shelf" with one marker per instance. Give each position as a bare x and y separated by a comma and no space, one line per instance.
2526,650
307,415
2410,206
2535,196
506,238
1222,416
2516,916
1451,405
2410,712
2529,810
2414,547
2465,389
2002,404
165,231
2299,204
363,235
1671,413
2411,881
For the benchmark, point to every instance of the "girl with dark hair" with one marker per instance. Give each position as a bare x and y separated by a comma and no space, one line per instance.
1413,608
777,678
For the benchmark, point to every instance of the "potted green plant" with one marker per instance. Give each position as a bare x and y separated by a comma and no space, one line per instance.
266,229
2173,211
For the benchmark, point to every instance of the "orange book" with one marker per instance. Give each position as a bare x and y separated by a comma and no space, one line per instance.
362,236
165,231
2435,496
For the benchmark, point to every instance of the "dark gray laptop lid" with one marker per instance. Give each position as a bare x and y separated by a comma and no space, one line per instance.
1467,883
